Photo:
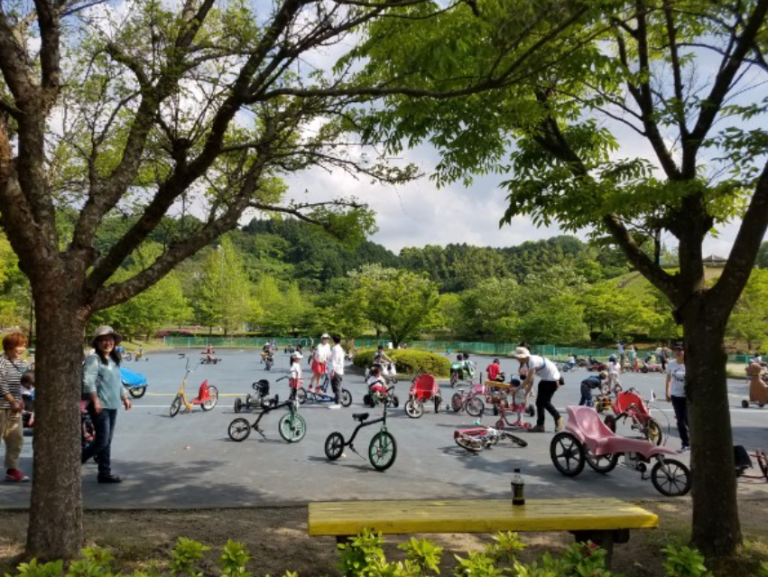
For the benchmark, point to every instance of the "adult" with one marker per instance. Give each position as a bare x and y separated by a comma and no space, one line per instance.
632,353
337,371
549,381
622,353
320,359
676,394
11,426
103,389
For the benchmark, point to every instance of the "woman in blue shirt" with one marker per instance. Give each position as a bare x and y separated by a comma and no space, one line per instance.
104,391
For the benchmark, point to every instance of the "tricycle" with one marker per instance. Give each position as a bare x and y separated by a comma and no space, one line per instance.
424,387
135,383
587,440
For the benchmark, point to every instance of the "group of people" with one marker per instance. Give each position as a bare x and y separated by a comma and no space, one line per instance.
325,359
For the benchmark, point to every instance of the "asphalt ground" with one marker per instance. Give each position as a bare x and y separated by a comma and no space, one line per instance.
190,462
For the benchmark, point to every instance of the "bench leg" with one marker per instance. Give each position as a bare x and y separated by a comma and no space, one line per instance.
604,540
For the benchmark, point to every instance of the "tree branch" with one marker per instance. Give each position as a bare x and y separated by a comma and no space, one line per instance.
741,260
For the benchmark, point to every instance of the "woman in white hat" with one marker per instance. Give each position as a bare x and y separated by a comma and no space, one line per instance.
549,378
103,388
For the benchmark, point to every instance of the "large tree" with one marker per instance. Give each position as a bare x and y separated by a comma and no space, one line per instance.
680,81
161,109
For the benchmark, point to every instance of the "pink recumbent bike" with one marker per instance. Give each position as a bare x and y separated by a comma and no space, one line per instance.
586,439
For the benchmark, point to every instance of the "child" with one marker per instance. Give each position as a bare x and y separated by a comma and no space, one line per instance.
294,372
614,368
592,382
493,370
376,384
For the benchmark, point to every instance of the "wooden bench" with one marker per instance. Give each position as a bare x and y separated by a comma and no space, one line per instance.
602,521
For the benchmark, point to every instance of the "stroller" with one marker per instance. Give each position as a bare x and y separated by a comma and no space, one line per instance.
423,388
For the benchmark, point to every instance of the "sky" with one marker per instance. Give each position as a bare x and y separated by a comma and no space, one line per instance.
419,213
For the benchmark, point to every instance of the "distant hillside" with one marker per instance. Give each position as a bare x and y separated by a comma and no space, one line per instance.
297,251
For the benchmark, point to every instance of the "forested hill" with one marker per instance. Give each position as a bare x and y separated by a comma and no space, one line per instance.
293,250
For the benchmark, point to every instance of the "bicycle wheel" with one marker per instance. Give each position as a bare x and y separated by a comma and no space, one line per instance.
516,440
334,445
567,454
213,398
346,398
292,427
653,432
175,406
671,478
382,450
438,400
469,443
414,409
238,405
301,395
456,402
239,429
394,401
603,463
474,407
610,422
137,392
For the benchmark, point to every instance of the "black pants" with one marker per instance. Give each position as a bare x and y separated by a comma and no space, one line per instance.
336,379
544,401
680,405
101,446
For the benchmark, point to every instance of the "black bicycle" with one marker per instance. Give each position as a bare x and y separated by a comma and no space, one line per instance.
292,426
381,451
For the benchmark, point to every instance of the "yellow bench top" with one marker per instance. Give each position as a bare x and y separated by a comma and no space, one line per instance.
484,516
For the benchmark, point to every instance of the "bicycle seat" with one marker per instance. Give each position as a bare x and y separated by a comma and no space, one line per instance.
360,416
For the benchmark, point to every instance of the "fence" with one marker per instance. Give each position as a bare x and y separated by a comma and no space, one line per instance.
491,349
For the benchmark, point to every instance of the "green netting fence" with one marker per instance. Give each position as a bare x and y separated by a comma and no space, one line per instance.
493,349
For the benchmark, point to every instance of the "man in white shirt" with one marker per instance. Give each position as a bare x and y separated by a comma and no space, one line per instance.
337,370
549,378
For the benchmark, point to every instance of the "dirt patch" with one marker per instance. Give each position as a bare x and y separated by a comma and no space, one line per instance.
277,539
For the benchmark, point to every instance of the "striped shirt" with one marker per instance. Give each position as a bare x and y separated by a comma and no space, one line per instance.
10,378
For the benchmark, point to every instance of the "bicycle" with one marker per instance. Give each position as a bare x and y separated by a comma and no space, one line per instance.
321,395
207,396
483,437
291,426
382,449
470,400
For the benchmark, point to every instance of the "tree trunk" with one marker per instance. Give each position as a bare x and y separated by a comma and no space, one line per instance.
716,529
56,514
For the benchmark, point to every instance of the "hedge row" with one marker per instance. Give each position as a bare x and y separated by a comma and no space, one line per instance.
409,361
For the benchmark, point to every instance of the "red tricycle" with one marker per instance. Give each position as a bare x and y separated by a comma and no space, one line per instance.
587,439
424,388
630,405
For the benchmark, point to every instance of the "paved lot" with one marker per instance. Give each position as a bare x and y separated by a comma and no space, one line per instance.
189,461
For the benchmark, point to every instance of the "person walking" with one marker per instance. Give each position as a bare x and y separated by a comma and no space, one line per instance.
632,354
104,391
549,381
337,370
11,425
676,394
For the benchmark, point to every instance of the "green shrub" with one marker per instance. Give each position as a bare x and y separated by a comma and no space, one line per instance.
409,361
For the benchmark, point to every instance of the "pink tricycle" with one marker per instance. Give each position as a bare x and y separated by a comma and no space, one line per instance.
586,439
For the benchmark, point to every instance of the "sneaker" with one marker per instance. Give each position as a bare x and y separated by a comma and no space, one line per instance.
334,406
559,425
537,429
111,479
15,476
684,449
